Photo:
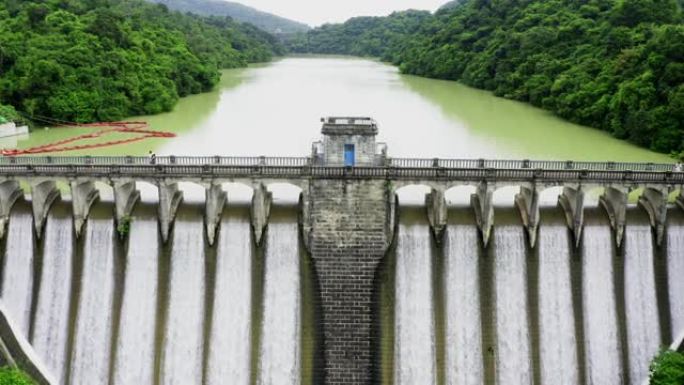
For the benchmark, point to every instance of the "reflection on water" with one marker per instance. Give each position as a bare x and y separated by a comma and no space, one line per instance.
282,101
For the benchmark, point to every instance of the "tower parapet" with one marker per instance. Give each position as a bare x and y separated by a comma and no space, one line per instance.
349,141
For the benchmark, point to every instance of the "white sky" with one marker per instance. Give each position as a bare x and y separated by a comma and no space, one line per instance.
317,12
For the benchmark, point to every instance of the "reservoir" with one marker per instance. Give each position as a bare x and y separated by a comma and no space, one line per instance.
274,109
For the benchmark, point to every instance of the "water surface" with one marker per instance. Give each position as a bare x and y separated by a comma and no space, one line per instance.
274,109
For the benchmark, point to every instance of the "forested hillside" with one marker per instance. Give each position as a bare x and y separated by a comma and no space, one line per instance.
266,21
617,65
384,37
103,60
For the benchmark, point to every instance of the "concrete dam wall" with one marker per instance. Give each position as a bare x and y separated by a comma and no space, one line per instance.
99,310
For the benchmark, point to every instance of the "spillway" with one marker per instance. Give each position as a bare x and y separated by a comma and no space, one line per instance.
557,332
135,343
231,331
463,303
641,304
675,268
17,274
279,353
99,310
90,357
415,356
602,338
181,361
51,325
513,349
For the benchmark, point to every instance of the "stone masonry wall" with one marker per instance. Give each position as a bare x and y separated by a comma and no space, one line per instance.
364,149
349,239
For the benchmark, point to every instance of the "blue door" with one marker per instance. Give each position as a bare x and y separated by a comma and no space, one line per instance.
349,155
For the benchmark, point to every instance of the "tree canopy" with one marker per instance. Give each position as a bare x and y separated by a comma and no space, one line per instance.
103,60
617,65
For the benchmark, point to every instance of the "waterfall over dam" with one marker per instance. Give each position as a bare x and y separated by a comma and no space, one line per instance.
344,268
98,310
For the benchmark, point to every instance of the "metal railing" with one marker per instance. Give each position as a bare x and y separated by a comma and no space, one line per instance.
160,160
529,164
290,167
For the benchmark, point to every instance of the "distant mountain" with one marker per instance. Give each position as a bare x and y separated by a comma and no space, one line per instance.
452,4
266,21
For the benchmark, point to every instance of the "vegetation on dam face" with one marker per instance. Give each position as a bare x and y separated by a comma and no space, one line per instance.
617,65
667,369
103,60
9,376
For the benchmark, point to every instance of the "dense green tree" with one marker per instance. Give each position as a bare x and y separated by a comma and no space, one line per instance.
617,65
100,60
667,369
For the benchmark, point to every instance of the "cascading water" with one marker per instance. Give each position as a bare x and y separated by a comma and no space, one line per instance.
163,319
279,357
183,338
91,350
229,350
51,325
135,347
17,280
558,344
643,331
602,343
675,268
414,346
513,351
464,366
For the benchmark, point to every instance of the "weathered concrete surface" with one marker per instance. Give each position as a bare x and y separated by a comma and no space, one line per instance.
572,202
349,238
654,201
43,195
614,201
482,204
527,201
125,197
83,195
215,200
170,197
16,351
10,192
436,206
260,211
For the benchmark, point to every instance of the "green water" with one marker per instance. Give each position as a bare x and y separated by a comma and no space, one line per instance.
274,109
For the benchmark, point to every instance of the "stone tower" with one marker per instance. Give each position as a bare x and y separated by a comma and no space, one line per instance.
350,221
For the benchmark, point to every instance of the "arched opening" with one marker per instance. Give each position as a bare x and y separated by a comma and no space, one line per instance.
193,193
459,196
238,193
413,195
284,193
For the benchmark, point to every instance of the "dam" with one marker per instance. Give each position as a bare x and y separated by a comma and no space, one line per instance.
352,283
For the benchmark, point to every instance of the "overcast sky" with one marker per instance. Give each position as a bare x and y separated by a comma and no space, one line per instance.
317,12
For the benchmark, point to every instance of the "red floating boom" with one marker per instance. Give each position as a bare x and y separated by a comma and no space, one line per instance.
141,130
